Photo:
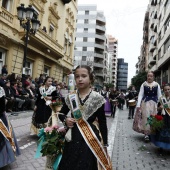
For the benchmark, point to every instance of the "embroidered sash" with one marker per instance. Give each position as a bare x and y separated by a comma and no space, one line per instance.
165,104
88,134
7,133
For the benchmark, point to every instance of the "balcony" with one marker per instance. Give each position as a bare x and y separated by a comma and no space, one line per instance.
100,27
152,47
156,21
101,18
155,53
163,59
97,45
100,65
98,55
100,36
99,74
151,61
151,23
6,16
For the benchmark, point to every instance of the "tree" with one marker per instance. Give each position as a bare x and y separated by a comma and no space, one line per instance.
139,79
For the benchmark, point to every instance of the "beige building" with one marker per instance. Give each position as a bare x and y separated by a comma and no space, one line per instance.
113,54
50,50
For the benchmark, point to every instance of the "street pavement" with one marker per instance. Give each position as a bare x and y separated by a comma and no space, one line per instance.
130,152
28,143
126,147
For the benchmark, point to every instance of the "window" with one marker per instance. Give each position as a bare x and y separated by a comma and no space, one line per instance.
28,68
66,39
46,71
159,54
51,31
167,45
83,58
84,39
167,24
167,5
86,21
85,29
84,48
2,58
7,4
86,12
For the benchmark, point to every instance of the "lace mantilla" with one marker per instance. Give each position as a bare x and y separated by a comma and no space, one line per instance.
94,102
153,84
2,92
45,92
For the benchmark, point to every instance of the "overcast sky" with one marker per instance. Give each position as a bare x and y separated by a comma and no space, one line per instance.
124,21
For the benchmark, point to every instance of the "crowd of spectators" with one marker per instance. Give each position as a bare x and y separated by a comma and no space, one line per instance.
21,90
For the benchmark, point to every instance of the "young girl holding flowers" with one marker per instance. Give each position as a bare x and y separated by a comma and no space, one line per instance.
162,137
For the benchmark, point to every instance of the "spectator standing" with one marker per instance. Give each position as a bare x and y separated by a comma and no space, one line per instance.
4,70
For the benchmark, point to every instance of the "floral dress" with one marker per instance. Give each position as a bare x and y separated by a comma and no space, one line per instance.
147,100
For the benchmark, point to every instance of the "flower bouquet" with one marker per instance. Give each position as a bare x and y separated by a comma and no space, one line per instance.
56,104
51,144
156,122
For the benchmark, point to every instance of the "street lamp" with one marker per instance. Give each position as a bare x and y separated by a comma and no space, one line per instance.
28,20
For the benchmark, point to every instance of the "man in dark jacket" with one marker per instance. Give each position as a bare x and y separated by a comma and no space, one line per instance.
9,96
132,96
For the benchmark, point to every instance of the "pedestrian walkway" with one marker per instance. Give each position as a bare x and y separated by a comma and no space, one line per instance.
28,144
130,152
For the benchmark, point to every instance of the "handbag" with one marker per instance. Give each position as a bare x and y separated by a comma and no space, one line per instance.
137,123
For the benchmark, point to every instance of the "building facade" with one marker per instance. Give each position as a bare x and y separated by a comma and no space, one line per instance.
122,74
90,41
159,40
50,50
113,54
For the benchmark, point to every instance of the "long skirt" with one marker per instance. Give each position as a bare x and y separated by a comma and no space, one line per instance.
140,121
107,107
7,155
77,155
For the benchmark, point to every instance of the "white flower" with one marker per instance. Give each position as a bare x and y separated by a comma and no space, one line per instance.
48,102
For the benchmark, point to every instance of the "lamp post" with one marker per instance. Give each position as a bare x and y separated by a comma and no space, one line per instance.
28,20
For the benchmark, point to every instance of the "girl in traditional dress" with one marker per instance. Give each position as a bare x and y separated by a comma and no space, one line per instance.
148,97
86,105
162,138
8,144
107,106
42,110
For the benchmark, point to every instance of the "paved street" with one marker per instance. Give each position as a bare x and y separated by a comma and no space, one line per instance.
129,150
27,143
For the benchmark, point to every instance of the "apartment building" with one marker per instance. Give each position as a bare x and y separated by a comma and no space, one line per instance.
158,51
50,50
90,41
142,64
122,74
113,54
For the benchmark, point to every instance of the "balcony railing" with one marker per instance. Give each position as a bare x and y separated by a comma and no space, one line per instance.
151,47
6,15
98,55
98,65
103,28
